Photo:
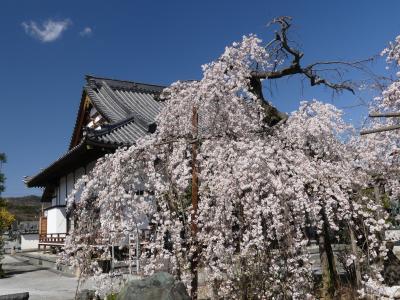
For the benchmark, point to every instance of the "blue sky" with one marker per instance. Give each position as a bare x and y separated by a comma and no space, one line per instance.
42,72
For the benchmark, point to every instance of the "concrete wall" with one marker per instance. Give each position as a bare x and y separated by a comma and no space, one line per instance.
56,220
29,241
10,245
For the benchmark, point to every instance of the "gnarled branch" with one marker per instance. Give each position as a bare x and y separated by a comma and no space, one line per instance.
295,66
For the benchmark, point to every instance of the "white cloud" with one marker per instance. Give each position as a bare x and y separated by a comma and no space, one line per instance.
87,31
49,31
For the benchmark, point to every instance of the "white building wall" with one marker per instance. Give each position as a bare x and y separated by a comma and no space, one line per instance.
56,220
56,217
29,241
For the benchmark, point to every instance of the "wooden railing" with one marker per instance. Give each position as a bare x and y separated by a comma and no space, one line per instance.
52,240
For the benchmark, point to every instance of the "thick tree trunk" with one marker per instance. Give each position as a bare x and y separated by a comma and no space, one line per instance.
272,116
330,281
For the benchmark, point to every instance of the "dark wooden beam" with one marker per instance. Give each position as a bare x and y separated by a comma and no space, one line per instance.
384,115
382,129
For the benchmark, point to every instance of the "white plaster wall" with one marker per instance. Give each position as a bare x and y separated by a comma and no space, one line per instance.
56,220
56,217
29,241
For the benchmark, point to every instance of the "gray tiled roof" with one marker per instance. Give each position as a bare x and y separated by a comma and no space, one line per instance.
124,133
130,108
118,100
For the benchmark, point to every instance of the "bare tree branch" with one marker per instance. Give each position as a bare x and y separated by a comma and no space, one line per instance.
310,72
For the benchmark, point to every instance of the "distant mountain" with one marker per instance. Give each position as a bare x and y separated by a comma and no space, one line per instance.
26,208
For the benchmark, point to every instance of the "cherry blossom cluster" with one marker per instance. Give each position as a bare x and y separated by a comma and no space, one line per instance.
264,192
392,51
381,150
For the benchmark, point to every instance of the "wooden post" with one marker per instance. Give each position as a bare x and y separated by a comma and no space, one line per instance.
330,282
356,260
378,193
195,201
130,253
137,250
112,257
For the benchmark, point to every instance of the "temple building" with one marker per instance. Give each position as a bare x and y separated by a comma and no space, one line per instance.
112,113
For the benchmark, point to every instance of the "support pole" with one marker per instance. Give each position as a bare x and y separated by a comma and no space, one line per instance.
137,250
130,253
356,260
330,283
112,257
195,201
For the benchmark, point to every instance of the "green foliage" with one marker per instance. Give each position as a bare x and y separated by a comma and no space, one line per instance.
384,198
368,192
386,201
112,297
391,207
6,218
25,208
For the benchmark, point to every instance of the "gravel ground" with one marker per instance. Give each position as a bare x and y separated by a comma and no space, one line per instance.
41,283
